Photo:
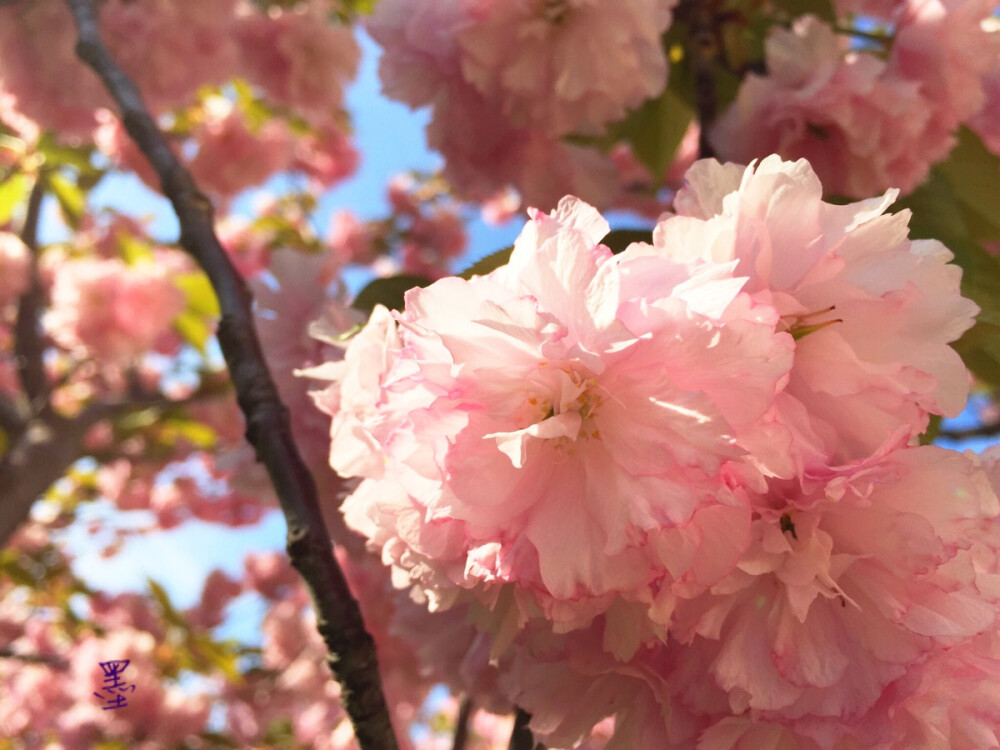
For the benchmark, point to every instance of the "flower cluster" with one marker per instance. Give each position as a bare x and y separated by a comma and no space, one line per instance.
868,118
290,65
685,475
507,79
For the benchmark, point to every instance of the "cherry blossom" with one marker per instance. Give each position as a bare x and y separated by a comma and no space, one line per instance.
861,126
530,386
94,304
872,311
537,59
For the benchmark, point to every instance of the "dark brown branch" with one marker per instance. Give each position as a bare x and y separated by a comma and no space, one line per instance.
520,737
28,344
47,447
47,444
703,44
51,660
351,651
12,421
465,711
991,429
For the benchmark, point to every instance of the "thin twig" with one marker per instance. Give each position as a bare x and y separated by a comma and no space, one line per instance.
29,347
351,651
465,711
703,50
991,429
51,660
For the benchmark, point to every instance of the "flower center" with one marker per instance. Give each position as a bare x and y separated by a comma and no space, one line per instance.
553,11
802,325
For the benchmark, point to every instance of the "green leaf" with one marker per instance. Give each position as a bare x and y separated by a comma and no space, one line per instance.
170,614
198,434
194,328
134,250
13,191
619,239
795,8
72,200
388,291
933,428
491,262
953,206
656,129
59,155
199,293
973,174
204,652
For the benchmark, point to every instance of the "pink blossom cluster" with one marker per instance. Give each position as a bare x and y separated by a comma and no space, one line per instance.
506,79
109,310
685,476
422,235
868,119
297,61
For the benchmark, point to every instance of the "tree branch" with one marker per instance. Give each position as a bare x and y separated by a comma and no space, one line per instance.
28,344
991,429
465,711
521,737
46,449
12,421
50,659
48,444
703,50
351,651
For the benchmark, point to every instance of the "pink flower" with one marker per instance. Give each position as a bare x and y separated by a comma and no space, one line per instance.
113,141
109,310
231,157
350,240
431,242
986,122
856,610
14,267
168,50
861,127
944,46
326,156
568,66
845,591
491,411
872,311
300,59
44,83
484,152
218,591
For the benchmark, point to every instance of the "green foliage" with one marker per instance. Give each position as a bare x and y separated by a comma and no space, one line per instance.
170,615
199,293
175,430
794,8
960,205
13,192
619,239
656,129
388,291
72,199
196,323
491,262
203,654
